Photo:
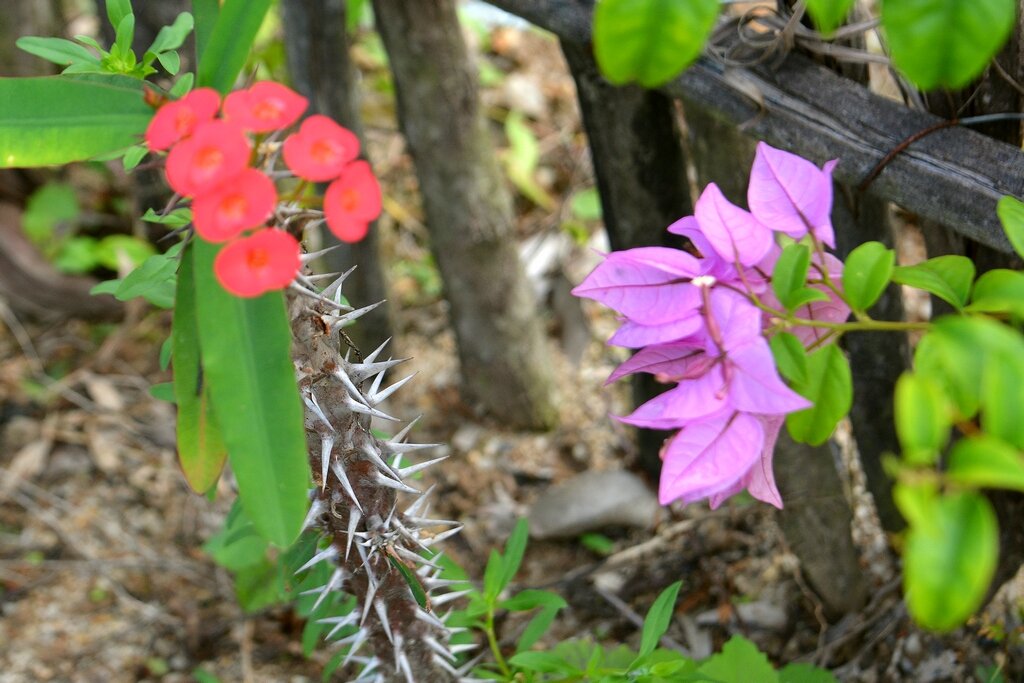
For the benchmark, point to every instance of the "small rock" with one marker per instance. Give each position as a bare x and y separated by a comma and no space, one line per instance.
591,501
757,614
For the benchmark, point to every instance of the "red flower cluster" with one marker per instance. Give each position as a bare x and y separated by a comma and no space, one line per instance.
209,161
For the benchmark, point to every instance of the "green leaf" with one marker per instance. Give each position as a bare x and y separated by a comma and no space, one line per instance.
790,356
182,86
945,43
164,391
866,274
542,662
586,204
804,673
537,627
923,418
526,600
201,450
521,160
175,219
597,543
116,251
165,353
739,662
829,14
237,545
949,556
124,35
172,37
1011,214
57,50
650,41
77,255
133,156
154,280
492,576
515,546
947,277
790,273
232,37
999,291
246,346
830,389
59,119
986,462
657,621
47,208
169,61
117,10
1002,395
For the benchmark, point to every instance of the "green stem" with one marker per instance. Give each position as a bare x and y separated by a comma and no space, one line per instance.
492,641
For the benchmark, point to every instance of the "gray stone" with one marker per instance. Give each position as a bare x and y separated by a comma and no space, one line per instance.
591,501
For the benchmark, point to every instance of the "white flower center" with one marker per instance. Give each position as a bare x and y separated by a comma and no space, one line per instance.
704,281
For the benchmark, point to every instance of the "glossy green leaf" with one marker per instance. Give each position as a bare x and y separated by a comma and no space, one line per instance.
169,61
986,462
739,662
123,37
57,50
201,450
790,273
949,555
60,119
205,13
866,274
1002,396
515,546
117,10
829,14
246,346
650,41
945,43
790,357
947,277
830,389
923,418
492,576
172,37
658,619
229,44
1011,214
999,291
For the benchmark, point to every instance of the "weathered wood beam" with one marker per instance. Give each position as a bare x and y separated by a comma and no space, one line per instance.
954,176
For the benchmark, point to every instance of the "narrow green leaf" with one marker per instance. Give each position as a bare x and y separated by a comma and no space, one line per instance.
172,37
949,560
945,43
790,357
117,10
526,600
201,450
1011,214
923,418
163,391
866,274
493,573
537,627
205,13
56,50
829,14
650,41
542,662
133,156
657,621
739,662
790,273
125,34
515,546
224,55
58,119
182,86
947,277
246,346
829,388
986,462
999,291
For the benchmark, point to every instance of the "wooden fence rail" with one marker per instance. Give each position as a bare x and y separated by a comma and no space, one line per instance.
954,176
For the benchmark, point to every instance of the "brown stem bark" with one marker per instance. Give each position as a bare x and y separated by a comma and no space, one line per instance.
504,358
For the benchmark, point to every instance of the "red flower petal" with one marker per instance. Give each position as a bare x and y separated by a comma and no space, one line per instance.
176,120
352,201
265,261
320,150
217,151
244,202
264,107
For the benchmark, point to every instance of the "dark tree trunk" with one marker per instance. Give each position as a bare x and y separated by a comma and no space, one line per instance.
317,48
504,358
641,177
24,18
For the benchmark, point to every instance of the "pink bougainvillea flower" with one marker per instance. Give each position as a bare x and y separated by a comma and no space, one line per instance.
760,479
634,335
267,260
790,194
834,310
216,152
352,201
734,234
320,150
244,202
264,107
176,120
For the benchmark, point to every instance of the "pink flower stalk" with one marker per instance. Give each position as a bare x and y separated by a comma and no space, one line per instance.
695,323
320,150
352,202
176,120
216,152
268,260
265,106
244,202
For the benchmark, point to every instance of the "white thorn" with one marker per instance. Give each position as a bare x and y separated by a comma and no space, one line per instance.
444,535
413,469
328,554
414,509
410,556
403,665
357,407
390,447
339,472
438,648
376,352
440,600
359,638
299,289
434,584
382,614
429,618
353,390
376,398
391,483
427,523
333,583
314,406
341,321
315,510
441,662
370,451
339,622
465,647
332,290
326,447
353,521
360,371
313,255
